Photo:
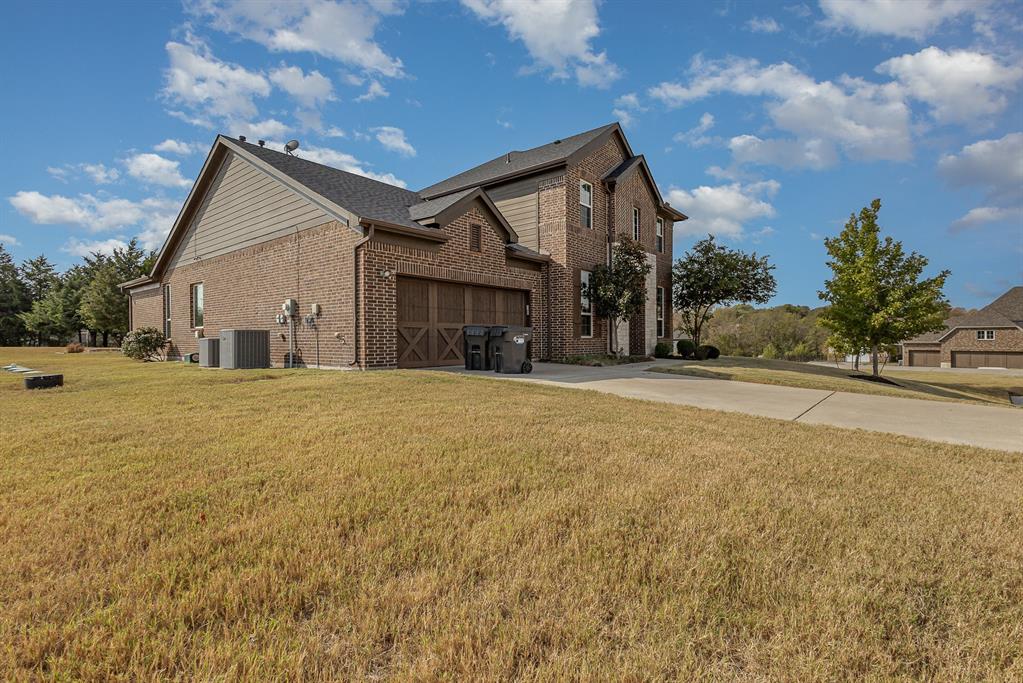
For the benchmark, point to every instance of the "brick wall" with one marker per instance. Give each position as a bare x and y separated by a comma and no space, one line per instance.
451,261
966,340
245,289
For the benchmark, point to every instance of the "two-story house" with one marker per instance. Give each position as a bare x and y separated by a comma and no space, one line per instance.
386,277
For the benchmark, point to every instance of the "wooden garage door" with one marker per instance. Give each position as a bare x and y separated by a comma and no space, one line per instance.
987,359
431,315
927,359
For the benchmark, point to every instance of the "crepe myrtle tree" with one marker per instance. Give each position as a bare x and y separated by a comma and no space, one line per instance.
711,275
877,294
617,292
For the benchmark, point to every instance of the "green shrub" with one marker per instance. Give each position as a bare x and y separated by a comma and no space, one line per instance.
144,343
707,352
662,350
686,348
770,352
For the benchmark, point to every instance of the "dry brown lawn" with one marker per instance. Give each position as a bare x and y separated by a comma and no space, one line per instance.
158,521
974,387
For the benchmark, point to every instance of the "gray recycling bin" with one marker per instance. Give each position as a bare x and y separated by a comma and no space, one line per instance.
475,348
511,349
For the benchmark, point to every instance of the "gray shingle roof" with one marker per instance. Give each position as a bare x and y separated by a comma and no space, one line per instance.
623,168
364,196
431,208
1005,311
516,162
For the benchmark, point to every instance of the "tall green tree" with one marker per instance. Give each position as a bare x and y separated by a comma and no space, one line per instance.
711,275
13,301
617,292
877,292
40,277
104,307
48,319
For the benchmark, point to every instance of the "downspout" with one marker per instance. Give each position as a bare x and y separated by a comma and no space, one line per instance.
610,242
355,272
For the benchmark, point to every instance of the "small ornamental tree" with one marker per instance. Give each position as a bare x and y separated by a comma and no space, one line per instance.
143,344
877,294
711,275
618,292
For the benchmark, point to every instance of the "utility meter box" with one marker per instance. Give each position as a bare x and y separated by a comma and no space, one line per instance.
290,307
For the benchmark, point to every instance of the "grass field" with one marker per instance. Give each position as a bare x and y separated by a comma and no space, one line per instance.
939,386
158,521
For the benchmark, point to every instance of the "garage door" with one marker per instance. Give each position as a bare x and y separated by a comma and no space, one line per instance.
431,315
987,359
926,359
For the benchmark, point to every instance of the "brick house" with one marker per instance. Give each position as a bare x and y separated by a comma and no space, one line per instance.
991,337
386,277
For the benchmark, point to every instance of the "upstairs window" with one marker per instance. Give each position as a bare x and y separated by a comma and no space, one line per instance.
635,224
585,204
475,237
985,335
166,311
585,309
660,312
660,236
197,306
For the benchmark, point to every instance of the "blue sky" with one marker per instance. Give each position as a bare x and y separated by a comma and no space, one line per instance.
767,123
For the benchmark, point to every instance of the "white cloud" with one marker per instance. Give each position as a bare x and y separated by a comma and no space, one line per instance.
867,121
995,165
626,107
813,153
344,31
345,162
334,132
100,174
374,91
9,240
82,248
723,210
309,90
982,215
557,34
90,212
178,147
899,18
505,124
763,25
960,86
394,139
261,130
209,86
155,170
696,136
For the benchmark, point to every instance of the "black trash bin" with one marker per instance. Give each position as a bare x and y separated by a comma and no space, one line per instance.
474,347
511,350
496,334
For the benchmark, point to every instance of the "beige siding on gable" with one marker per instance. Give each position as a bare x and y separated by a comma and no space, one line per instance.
519,203
243,207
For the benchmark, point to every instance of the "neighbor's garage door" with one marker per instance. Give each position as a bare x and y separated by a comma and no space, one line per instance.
987,359
431,315
925,359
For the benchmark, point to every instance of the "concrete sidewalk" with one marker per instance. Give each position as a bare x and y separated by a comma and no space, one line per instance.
961,423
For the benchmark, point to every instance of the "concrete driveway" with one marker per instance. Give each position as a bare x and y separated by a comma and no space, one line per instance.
961,423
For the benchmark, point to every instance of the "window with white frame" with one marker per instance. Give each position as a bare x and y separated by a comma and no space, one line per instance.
166,311
985,335
660,312
660,235
198,317
585,309
635,223
585,204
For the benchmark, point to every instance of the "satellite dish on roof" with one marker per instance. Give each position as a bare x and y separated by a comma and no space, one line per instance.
291,146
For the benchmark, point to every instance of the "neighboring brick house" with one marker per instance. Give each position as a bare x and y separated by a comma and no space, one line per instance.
395,274
989,338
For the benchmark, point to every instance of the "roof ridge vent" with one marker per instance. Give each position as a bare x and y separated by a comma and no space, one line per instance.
557,142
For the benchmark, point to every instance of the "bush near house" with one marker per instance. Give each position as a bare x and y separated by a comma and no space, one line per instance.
143,344
686,348
707,352
662,350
